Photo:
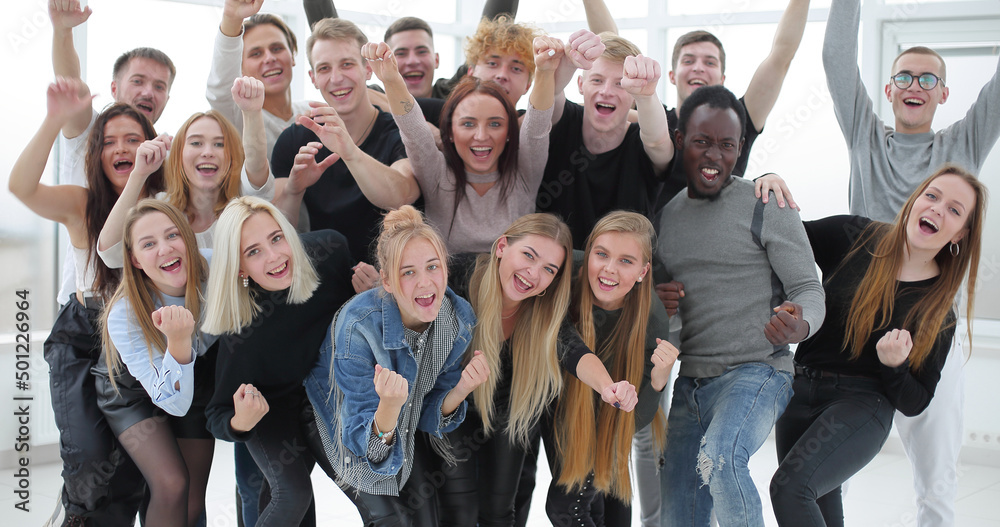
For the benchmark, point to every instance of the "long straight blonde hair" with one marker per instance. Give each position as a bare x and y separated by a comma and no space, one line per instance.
595,437
874,300
535,379
138,289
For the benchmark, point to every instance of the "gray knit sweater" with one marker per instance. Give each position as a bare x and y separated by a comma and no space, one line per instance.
737,258
887,166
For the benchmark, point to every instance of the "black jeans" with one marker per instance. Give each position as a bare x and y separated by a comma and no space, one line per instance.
486,479
285,445
833,427
100,481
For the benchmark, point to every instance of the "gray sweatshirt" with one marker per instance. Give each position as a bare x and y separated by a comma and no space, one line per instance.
737,258
886,166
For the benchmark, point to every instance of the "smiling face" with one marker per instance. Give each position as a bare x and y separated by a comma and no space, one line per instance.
122,137
204,155
265,255
709,150
914,107
479,131
420,284
158,249
340,74
509,71
144,84
267,57
605,103
528,265
940,215
698,65
614,265
414,51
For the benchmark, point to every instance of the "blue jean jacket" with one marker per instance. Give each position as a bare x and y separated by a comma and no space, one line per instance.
366,331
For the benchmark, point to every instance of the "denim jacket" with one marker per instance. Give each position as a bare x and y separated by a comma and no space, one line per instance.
366,331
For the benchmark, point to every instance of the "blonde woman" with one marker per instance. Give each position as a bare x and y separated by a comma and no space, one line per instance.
156,361
392,364
271,295
521,294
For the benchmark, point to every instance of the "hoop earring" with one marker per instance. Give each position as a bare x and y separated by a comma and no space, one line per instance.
954,249
246,280
546,290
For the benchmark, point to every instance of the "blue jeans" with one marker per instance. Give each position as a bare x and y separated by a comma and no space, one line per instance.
834,426
715,424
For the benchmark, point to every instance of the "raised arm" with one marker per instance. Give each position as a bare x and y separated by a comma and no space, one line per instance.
227,58
639,79
65,15
582,49
248,93
148,158
386,187
599,17
767,80
65,204
549,52
383,63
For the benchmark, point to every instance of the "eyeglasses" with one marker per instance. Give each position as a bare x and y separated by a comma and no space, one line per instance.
927,81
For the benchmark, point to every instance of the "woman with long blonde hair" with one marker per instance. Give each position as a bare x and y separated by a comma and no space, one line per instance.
156,361
520,292
617,316
890,320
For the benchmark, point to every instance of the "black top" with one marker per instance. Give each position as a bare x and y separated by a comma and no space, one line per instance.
571,346
832,239
336,201
281,345
677,181
582,187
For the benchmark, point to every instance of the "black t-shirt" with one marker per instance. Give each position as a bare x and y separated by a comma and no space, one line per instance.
582,187
281,345
336,201
832,240
677,181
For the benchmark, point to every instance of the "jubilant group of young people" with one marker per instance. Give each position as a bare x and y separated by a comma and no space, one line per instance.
414,286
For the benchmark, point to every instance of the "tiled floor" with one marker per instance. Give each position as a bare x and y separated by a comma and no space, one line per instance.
880,496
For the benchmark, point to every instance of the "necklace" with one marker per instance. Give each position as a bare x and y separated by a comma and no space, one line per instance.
364,134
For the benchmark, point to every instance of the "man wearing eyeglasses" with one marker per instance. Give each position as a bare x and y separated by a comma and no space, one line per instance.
886,165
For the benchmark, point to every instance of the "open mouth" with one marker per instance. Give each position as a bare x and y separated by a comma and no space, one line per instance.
413,77
207,169
123,166
172,265
522,285
710,174
697,82
481,152
606,285
273,73
279,271
425,300
144,106
340,94
928,226
605,109
912,101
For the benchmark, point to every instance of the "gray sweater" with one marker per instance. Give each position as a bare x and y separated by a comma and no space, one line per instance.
886,166
737,258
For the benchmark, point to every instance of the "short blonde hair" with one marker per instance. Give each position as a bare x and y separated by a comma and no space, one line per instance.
616,48
398,228
232,307
502,36
922,50
334,29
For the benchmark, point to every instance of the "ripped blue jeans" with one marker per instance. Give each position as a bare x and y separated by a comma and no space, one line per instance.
714,425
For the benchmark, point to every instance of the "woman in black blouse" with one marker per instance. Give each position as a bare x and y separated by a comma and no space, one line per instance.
889,325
